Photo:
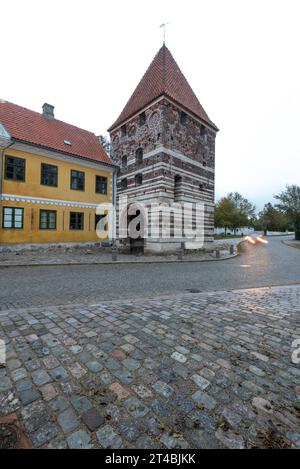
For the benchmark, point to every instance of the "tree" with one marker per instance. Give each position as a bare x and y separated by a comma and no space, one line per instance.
245,210
225,213
271,219
290,206
105,143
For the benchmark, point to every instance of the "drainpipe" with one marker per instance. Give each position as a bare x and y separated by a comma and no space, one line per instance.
114,202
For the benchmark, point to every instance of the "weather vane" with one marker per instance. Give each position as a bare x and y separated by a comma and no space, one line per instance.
164,26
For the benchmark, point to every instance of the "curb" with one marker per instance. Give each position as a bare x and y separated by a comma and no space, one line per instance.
163,261
290,245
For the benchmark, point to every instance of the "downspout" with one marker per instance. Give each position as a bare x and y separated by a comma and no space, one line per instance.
114,202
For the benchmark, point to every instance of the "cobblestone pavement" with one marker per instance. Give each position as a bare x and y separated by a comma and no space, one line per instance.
206,370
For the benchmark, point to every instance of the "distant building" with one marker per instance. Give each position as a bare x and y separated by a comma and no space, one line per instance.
164,143
52,175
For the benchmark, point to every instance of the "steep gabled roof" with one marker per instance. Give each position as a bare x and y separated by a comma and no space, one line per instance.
163,77
31,127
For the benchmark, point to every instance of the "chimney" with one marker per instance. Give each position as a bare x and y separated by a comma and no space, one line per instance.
48,111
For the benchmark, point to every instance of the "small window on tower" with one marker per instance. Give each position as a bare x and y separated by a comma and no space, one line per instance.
124,161
124,183
183,118
142,118
139,156
138,179
124,130
202,130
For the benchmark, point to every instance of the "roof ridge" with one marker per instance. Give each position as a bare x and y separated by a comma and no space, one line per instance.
50,120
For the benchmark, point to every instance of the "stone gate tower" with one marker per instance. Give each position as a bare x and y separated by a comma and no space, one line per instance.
164,143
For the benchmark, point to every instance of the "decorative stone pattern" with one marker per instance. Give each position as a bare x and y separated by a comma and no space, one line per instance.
175,372
178,160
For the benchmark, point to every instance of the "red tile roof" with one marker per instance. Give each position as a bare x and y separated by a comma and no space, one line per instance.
163,77
34,128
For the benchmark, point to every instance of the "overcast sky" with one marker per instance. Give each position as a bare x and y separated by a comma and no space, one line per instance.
241,57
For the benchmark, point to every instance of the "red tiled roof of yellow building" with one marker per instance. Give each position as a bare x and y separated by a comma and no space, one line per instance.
31,127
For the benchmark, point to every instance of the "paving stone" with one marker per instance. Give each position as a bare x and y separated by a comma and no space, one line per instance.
50,362
203,421
79,440
40,377
28,396
131,364
231,417
256,371
13,364
108,439
18,374
92,419
230,439
129,430
77,371
44,434
174,441
163,389
135,407
204,400
80,403
142,391
179,357
59,373
24,384
119,390
94,366
262,404
68,420
5,384
201,382
59,404
34,416
48,392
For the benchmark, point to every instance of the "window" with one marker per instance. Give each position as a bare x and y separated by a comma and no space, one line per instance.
124,161
101,185
14,168
47,220
49,175
138,179
124,183
76,221
13,218
97,219
139,156
183,118
124,130
202,130
142,118
77,180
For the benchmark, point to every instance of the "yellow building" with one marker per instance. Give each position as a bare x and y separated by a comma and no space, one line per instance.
52,178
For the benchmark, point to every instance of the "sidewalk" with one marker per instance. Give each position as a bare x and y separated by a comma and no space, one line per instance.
292,243
97,255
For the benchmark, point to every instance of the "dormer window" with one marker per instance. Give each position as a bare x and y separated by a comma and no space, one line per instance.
124,130
142,118
139,156
183,118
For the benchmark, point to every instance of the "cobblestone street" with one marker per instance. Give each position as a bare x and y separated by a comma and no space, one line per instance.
206,370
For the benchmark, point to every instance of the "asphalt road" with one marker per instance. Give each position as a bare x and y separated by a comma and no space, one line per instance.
256,266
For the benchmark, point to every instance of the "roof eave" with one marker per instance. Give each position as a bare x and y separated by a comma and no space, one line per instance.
74,155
